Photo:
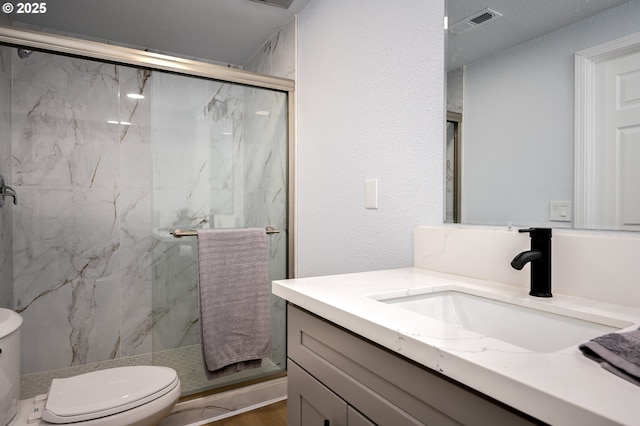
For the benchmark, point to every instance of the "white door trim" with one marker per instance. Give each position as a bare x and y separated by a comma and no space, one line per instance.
585,119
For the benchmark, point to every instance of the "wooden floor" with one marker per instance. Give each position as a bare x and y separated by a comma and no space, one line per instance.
270,415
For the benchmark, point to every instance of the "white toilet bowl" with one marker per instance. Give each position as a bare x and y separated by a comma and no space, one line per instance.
10,323
136,396
123,396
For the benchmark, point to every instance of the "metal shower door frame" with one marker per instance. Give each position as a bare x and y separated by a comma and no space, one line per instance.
155,61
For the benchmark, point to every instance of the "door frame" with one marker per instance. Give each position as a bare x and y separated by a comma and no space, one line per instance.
456,119
585,140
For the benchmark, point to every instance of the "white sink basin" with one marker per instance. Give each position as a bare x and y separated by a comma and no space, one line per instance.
539,327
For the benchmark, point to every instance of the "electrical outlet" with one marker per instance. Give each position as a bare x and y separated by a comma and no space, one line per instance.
560,211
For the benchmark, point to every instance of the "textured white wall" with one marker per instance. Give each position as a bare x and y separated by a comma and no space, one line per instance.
370,103
518,122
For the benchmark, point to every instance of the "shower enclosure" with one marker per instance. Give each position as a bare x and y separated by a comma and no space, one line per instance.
109,150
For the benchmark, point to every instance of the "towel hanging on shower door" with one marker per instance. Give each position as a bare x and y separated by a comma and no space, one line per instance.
235,307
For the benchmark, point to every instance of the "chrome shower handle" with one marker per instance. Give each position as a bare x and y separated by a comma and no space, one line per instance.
7,191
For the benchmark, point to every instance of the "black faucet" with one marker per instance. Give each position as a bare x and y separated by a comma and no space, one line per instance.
540,258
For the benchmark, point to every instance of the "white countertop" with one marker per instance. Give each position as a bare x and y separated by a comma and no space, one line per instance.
560,388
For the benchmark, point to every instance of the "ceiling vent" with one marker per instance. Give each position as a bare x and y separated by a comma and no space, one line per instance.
278,3
474,21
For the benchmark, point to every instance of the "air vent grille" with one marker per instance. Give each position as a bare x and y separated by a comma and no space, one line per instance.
482,18
278,3
474,21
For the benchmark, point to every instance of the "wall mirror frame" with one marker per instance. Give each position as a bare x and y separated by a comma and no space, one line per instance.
527,164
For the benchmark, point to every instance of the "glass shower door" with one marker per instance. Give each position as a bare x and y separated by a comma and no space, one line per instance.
219,161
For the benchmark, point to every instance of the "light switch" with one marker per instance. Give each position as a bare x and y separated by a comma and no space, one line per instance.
560,211
371,194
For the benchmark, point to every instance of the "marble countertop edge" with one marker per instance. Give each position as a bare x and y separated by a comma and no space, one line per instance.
562,387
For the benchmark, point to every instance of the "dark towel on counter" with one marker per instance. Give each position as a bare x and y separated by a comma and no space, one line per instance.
235,307
618,353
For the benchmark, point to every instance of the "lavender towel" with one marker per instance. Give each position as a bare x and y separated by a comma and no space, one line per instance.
234,298
618,353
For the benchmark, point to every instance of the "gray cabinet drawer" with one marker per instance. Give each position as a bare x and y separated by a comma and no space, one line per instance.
310,403
354,418
384,387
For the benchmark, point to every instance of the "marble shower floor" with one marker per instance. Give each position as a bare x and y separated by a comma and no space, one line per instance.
187,361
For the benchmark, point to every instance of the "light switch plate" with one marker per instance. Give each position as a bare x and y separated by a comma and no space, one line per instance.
371,194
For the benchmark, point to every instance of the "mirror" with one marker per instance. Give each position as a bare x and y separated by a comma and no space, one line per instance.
511,78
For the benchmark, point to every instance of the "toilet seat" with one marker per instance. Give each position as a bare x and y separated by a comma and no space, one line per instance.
106,392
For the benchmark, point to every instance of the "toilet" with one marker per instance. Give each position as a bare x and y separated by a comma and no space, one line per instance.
136,396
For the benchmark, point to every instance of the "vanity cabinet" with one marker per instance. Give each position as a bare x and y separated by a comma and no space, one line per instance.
315,404
338,378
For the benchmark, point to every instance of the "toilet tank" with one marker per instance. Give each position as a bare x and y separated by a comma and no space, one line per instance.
10,323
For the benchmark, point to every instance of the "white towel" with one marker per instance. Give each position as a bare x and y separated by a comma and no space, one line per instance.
235,312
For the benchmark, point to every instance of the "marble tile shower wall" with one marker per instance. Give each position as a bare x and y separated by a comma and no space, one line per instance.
266,191
267,175
6,213
96,274
195,185
216,164
277,55
241,181
222,166
81,237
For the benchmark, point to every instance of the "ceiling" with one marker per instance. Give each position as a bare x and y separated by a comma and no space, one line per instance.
232,31
521,21
225,31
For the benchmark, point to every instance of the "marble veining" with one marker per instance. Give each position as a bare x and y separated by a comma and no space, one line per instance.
60,135
77,148
6,213
561,387
230,159
276,57
577,258
102,178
